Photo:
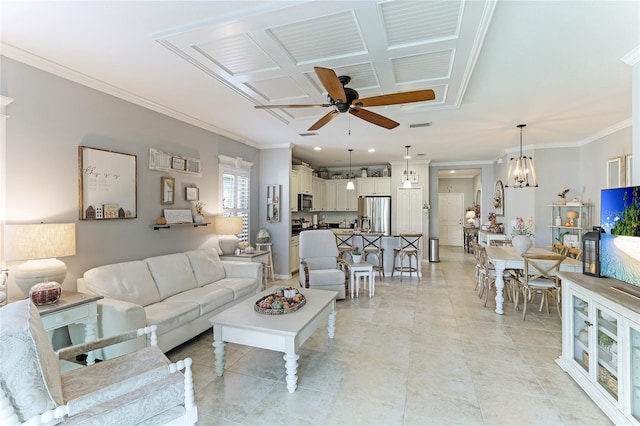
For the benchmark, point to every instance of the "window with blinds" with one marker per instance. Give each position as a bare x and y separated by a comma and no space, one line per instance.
235,197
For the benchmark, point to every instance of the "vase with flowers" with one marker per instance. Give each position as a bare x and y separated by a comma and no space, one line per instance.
198,207
562,194
521,233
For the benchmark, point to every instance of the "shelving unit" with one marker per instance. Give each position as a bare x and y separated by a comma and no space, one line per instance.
273,203
582,223
601,344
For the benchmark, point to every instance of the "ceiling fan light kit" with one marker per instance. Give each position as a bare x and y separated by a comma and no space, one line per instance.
522,172
346,99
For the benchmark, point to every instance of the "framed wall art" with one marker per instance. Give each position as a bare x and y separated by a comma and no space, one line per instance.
108,184
178,163
498,199
167,190
191,193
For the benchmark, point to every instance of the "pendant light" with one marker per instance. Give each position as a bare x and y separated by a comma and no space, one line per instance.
350,185
407,182
522,173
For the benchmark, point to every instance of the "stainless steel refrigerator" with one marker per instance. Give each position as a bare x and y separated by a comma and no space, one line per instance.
374,214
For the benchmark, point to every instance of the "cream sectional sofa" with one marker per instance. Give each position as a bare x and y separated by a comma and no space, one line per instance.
176,292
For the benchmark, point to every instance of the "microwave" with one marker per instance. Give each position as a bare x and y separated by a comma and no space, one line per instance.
305,202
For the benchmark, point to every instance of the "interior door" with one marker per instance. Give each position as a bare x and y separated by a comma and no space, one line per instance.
409,211
450,216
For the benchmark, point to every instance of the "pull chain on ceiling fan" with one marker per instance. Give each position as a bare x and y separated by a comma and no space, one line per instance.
346,99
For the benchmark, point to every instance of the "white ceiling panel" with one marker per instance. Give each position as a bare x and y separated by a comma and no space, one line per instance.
421,68
237,55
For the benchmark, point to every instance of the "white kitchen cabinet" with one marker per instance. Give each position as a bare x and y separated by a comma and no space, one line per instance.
293,194
409,211
319,190
304,177
374,186
339,198
294,254
601,343
330,196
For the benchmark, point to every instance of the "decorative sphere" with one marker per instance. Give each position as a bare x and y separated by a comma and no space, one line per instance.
161,221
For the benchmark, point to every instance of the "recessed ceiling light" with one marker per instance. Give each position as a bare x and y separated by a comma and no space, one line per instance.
317,148
308,134
412,126
452,171
372,150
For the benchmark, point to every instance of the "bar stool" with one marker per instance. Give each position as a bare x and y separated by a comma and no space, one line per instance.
409,248
268,267
345,244
372,244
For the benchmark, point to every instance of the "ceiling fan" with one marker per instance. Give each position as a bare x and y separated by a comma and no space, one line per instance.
345,99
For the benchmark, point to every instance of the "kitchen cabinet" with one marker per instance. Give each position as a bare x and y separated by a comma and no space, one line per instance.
330,196
304,179
293,193
581,224
374,186
319,190
346,200
409,211
294,254
601,343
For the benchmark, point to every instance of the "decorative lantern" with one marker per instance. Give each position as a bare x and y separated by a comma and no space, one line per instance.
591,253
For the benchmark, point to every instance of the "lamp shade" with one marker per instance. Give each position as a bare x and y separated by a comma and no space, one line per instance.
227,227
39,245
572,215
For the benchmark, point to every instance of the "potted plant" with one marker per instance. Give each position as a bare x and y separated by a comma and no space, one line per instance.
562,194
356,255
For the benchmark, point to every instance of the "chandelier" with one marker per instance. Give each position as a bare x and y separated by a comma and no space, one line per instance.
407,182
350,185
522,172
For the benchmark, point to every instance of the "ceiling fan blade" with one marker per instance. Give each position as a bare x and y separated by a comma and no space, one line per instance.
331,83
374,118
292,106
396,98
324,120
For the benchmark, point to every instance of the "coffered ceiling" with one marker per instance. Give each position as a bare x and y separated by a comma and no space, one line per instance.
556,66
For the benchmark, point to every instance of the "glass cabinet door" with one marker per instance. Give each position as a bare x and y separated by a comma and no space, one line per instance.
581,332
634,367
607,351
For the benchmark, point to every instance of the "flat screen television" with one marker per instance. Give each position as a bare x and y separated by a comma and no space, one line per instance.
620,244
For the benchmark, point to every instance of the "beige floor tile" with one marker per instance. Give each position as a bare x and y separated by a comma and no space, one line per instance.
421,352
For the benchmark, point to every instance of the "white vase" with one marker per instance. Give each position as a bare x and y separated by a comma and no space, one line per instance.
521,243
198,218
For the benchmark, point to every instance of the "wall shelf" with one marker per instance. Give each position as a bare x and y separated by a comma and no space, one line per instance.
177,225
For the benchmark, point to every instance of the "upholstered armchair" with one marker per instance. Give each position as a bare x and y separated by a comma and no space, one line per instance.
141,387
320,267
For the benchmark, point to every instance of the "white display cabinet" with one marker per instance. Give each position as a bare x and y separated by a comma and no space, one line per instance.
601,342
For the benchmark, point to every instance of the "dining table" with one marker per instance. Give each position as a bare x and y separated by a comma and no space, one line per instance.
506,257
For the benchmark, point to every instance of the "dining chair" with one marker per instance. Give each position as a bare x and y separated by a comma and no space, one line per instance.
372,245
410,249
560,249
540,276
487,279
476,248
574,252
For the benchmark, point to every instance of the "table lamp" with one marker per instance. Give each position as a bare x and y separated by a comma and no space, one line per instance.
470,216
39,245
571,215
228,227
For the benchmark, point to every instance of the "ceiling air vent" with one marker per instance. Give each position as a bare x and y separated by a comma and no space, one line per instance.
308,134
411,126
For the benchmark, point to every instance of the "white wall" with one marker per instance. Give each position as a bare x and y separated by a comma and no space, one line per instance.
50,117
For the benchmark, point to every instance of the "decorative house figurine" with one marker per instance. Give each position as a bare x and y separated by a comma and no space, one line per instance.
90,213
99,212
591,253
121,214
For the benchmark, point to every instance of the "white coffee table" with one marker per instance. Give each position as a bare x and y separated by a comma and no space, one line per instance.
241,324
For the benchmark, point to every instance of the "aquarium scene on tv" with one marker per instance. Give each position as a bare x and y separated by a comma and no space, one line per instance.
620,218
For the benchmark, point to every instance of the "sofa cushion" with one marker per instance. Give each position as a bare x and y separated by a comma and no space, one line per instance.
172,274
127,281
209,297
206,266
168,316
240,286
29,369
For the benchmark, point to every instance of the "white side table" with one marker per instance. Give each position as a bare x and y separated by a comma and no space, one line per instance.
269,265
360,268
73,308
259,256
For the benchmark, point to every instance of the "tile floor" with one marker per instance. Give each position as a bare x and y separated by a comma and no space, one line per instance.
421,352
